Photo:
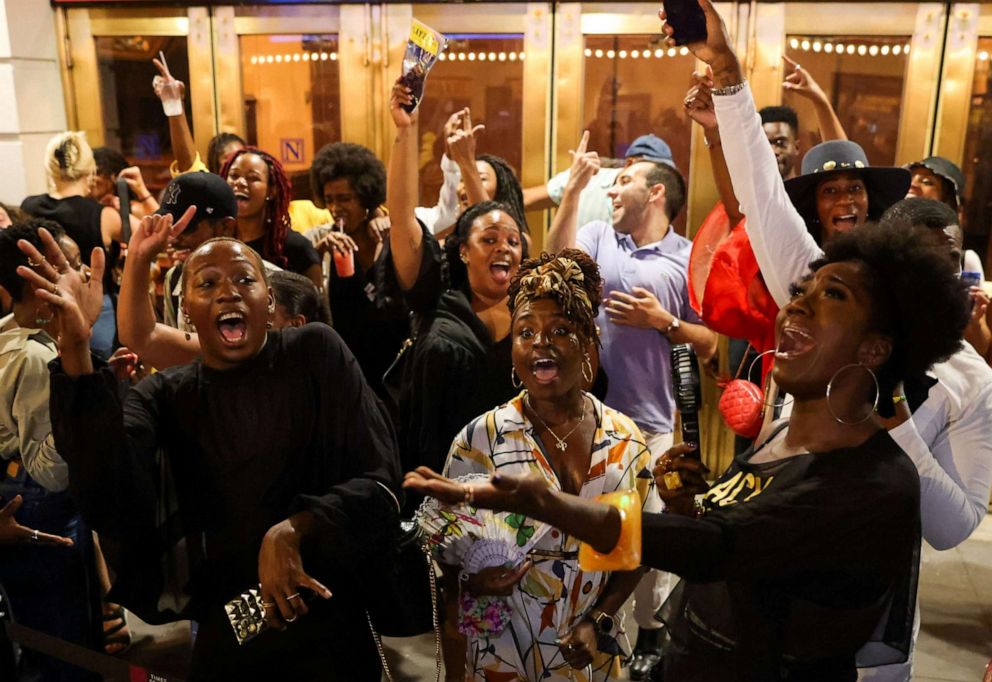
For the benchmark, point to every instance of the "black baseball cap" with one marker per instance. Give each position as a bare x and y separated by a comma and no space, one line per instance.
209,192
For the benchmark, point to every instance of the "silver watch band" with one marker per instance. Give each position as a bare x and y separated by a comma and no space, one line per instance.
729,90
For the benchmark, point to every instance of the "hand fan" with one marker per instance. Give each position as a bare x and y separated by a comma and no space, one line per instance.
475,538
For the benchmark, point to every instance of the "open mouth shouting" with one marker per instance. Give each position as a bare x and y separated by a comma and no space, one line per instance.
500,270
545,370
233,327
845,222
794,341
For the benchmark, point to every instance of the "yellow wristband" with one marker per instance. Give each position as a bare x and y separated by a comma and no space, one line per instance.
896,399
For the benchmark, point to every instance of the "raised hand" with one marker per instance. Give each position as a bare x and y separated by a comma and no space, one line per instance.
461,141
715,50
401,95
585,165
12,532
164,76
801,82
698,101
76,296
154,234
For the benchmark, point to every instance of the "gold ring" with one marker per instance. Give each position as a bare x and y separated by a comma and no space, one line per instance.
55,290
268,605
469,494
673,481
35,264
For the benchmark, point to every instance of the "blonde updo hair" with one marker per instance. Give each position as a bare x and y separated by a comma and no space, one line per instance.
68,157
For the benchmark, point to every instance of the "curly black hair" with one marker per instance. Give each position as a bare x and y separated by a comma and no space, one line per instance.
508,189
357,164
592,282
298,296
11,256
457,274
109,161
917,298
216,147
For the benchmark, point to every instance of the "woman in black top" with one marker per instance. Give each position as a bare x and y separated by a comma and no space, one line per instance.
263,192
71,169
367,308
283,460
799,548
459,365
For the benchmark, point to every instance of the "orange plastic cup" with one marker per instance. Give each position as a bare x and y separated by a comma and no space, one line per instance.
344,263
626,556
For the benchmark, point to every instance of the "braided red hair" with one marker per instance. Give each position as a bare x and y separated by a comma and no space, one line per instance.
277,221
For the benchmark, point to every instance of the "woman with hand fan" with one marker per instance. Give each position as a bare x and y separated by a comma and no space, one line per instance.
514,587
798,550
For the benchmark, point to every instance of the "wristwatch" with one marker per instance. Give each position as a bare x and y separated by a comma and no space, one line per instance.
673,326
604,623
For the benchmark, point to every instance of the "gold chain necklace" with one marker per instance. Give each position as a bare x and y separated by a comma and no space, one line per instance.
562,442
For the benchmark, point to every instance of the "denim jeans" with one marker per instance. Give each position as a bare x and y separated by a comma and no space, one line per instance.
51,589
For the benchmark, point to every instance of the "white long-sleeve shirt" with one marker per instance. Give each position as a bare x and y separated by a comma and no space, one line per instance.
950,435
442,216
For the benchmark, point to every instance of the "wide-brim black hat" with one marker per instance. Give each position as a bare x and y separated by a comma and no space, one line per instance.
885,185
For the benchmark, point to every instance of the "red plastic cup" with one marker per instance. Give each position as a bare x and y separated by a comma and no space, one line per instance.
344,263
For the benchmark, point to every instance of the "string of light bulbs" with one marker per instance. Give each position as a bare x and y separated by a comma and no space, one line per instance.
841,47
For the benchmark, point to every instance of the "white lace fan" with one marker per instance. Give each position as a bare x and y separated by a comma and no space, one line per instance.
473,538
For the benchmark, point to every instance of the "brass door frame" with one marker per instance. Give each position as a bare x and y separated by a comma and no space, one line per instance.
968,21
78,29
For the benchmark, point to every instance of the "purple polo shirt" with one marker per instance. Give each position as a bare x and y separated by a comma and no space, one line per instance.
637,361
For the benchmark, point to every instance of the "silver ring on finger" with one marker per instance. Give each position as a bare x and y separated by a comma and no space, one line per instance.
291,620
293,596
34,535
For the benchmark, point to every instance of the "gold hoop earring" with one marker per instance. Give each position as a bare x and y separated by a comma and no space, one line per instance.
587,362
514,379
878,392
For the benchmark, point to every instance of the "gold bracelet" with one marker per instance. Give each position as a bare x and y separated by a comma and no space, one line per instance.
896,399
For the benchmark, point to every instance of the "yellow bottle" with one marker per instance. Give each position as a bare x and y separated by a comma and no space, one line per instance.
626,555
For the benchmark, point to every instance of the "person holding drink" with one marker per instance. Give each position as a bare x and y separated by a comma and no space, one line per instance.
561,618
791,557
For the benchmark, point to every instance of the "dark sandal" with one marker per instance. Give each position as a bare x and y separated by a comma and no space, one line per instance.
116,637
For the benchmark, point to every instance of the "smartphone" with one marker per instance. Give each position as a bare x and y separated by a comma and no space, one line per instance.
688,20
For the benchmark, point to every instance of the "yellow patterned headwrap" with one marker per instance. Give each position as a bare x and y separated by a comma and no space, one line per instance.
561,279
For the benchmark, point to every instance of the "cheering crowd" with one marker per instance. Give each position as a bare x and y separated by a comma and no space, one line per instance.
222,405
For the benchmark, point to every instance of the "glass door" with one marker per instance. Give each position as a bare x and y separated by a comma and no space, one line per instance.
616,79
111,51
498,64
278,79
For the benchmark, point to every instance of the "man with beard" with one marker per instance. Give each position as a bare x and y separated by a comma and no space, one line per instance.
643,262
